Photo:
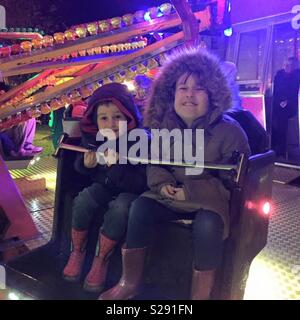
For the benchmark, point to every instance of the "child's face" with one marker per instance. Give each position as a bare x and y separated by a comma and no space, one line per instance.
191,100
108,117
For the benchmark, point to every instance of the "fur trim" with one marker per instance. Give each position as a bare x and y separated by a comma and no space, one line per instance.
161,100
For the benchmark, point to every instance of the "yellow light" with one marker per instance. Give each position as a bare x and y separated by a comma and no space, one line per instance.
130,85
13,296
263,282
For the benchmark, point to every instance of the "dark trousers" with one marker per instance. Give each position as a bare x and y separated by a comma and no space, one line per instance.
56,126
207,229
7,144
280,122
96,201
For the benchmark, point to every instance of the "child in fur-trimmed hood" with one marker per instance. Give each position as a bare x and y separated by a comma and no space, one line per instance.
190,92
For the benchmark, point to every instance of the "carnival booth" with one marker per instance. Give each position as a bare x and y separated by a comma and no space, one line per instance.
261,39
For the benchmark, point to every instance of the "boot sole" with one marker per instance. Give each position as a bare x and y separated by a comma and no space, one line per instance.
71,279
94,289
131,296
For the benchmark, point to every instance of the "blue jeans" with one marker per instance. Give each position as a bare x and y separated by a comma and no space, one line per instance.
96,201
207,230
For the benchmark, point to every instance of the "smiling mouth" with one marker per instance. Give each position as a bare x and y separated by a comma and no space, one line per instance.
189,104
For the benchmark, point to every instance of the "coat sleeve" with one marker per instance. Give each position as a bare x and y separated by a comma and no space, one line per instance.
234,140
157,177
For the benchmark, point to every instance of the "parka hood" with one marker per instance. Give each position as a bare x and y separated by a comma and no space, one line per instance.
121,97
160,106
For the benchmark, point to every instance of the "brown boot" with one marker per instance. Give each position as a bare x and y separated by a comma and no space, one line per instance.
94,282
202,284
133,267
72,270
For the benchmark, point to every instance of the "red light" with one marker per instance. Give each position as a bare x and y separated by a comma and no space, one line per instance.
249,205
262,207
266,208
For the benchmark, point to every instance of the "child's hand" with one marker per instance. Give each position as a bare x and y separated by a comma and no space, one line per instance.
90,160
168,191
179,194
111,157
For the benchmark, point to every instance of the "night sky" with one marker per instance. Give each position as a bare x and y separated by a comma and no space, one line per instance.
96,9
40,13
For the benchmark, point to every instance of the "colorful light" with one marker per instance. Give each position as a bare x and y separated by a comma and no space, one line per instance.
261,207
92,28
153,12
104,25
139,16
128,19
13,296
147,16
266,208
228,32
70,35
37,43
130,85
48,41
81,32
26,46
59,37
166,8
116,22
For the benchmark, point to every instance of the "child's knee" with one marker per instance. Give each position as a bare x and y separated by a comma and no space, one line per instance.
118,209
123,201
141,210
208,225
85,201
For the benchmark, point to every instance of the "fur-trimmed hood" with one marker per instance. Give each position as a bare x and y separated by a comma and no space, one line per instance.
160,106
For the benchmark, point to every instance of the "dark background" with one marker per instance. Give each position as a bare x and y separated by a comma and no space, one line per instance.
58,15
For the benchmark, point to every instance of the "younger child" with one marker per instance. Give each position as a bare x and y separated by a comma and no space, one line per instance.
113,189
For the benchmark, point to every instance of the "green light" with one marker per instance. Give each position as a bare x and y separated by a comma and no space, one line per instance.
51,120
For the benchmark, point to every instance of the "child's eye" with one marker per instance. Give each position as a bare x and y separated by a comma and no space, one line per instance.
182,88
103,118
118,117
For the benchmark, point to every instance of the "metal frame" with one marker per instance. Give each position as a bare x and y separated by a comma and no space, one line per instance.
268,24
35,61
